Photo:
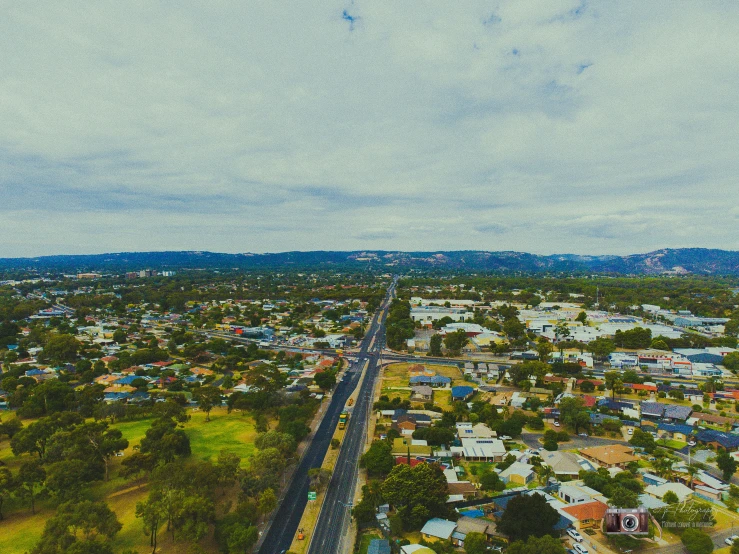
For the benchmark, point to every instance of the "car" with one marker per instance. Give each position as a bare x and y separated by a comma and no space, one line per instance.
506,438
730,540
580,549
584,435
556,423
575,535
630,431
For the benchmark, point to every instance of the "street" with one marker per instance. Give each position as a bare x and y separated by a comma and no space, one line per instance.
284,523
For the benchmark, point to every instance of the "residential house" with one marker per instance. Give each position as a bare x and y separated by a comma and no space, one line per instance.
659,491
462,393
518,473
578,493
613,455
422,393
438,529
674,431
586,514
565,464
415,549
379,546
436,381
674,413
717,439
466,429
481,450
467,525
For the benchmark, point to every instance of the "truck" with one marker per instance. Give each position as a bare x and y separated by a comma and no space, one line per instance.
343,418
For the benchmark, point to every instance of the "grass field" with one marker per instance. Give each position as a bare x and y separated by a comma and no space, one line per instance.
395,382
234,432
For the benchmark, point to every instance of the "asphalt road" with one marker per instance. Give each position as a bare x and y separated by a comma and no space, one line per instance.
532,441
285,521
333,522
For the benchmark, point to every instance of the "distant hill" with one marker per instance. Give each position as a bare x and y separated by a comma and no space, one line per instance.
699,261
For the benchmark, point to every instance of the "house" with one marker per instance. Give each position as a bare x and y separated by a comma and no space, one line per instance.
405,425
717,439
379,546
467,525
518,473
650,479
612,455
422,393
402,445
708,493
465,429
659,491
415,549
586,514
577,493
565,464
674,412
481,450
652,409
435,381
674,431
438,529
462,393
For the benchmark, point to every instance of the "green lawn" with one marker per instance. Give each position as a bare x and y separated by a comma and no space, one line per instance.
669,443
234,432
365,540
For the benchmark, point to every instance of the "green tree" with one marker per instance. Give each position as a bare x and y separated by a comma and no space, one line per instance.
670,498
544,348
31,476
435,345
208,397
454,342
621,497
378,460
76,527
726,464
475,543
731,361
572,412
528,515
60,348
120,336
7,486
696,541
490,481
418,493
601,348
537,545
284,442
582,317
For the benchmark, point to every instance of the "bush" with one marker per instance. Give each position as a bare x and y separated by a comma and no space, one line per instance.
550,445
562,436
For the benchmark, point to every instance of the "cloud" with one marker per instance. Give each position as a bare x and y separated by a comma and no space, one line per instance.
537,125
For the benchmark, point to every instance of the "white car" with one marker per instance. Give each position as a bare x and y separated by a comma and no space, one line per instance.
505,438
731,539
556,423
575,535
631,431
580,549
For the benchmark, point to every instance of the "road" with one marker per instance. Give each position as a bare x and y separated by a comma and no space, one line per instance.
332,527
285,521
532,441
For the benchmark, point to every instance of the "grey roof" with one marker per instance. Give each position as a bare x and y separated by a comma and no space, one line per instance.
379,546
652,408
440,528
678,412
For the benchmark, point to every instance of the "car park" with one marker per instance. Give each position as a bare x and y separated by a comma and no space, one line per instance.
575,535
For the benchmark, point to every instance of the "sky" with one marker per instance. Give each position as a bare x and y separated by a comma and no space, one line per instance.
545,126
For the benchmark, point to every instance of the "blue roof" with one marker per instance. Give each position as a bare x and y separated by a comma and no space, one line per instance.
652,408
614,404
678,412
379,546
727,440
127,380
462,391
675,428
436,380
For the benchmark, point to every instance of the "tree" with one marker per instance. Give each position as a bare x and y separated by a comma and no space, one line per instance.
544,348
435,345
61,348
151,512
537,545
326,380
696,541
572,412
587,386
418,493
623,498
83,527
207,398
378,460
726,464
659,344
454,342
475,543
490,481
643,440
11,427
551,445
670,498
601,348
267,501
164,441
582,317
731,361
284,442
528,515
7,485
120,336
30,476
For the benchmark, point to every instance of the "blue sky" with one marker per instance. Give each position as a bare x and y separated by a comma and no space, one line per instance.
546,126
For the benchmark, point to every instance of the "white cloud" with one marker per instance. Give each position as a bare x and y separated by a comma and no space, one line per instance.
545,126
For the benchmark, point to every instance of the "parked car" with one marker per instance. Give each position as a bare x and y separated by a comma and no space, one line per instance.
730,540
556,423
631,431
506,438
580,549
575,535
584,435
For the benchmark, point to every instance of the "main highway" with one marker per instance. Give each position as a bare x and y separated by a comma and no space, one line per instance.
335,515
